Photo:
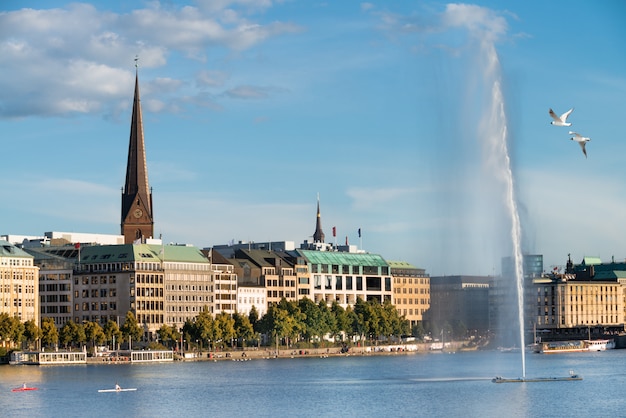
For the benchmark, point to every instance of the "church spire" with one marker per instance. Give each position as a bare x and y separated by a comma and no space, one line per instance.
318,235
137,222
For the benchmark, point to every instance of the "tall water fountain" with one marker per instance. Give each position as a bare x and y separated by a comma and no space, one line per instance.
494,131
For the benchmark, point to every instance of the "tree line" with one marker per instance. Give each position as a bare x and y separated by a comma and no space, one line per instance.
289,323
286,322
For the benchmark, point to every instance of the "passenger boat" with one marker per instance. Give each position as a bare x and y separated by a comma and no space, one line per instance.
556,347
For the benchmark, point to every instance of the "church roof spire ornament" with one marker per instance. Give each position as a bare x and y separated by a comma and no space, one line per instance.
137,221
318,235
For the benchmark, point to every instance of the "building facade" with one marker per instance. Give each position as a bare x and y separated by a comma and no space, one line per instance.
251,296
588,300
19,283
345,277
411,291
160,284
457,300
226,289
55,287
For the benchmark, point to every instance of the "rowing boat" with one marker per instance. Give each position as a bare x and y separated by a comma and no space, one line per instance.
117,390
23,389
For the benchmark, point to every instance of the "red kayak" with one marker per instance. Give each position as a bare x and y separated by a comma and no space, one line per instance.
23,389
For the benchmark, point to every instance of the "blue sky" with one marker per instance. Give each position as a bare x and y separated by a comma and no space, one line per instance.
253,107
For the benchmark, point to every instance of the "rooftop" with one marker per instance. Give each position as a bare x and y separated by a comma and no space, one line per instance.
341,258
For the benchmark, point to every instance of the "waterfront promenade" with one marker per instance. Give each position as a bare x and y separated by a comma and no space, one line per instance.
253,353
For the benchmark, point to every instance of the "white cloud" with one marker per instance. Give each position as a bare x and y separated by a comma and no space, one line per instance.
78,59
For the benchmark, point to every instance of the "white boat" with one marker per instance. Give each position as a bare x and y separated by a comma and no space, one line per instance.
600,345
117,389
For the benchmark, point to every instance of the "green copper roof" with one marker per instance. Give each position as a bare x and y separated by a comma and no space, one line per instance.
400,265
141,252
341,258
179,253
588,261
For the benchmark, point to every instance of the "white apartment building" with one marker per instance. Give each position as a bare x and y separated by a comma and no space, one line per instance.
249,296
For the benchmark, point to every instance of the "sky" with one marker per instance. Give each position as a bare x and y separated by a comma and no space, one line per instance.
254,108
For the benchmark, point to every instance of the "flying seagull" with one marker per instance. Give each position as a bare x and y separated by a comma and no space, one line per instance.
562,120
581,140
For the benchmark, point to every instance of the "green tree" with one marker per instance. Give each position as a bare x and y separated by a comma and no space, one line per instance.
327,319
6,326
393,323
253,317
31,332
366,323
205,327
11,329
225,328
243,328
68,334
168,335
94,333
311,320
342,320
112,333
281,321
131,329
190,333
294,326
17,336
49,332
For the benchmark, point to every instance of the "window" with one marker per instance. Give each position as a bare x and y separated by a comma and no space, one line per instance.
318,281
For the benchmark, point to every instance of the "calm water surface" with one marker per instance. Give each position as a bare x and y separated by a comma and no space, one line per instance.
457,385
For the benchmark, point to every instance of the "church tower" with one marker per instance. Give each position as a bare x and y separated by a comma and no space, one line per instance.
137,221
318,235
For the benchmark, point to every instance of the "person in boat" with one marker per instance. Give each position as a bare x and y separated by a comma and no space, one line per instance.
117,387
24,386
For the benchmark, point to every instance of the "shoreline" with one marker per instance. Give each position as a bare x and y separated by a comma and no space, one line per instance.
267,353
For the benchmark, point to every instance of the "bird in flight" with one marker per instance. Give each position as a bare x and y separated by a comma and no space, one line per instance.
582,140
560,120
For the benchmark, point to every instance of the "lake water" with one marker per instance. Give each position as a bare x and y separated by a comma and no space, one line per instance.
422,385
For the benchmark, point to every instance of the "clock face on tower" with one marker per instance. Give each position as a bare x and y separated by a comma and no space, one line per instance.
137,213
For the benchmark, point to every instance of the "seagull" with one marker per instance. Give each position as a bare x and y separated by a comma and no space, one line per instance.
581,140
560,121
